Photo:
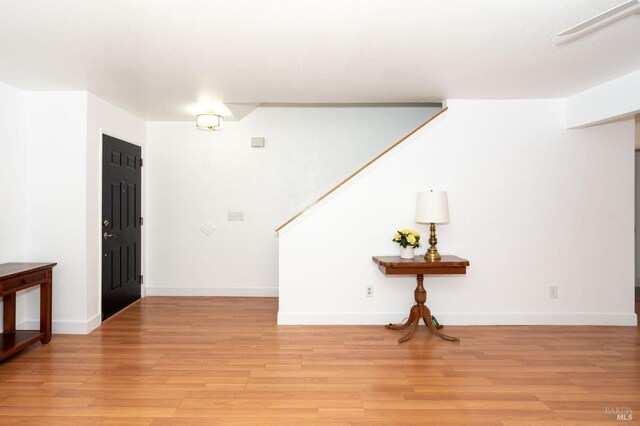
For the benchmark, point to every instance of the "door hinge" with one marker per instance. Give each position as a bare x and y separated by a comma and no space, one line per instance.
141,162
141,279
141,221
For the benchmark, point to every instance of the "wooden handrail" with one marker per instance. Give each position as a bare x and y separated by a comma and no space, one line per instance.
361,169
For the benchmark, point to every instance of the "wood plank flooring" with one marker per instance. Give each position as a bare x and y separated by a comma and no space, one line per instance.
210,361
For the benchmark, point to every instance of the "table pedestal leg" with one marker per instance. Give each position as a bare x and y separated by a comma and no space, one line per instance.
426,316
418,311
414,316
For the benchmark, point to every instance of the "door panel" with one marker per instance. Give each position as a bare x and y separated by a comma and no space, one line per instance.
121,211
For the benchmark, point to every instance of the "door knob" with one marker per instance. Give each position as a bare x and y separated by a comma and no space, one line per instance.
107,236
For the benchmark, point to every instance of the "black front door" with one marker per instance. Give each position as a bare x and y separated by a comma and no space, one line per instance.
121,220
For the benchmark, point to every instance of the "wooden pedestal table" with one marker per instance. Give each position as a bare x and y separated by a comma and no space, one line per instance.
395,265
13,278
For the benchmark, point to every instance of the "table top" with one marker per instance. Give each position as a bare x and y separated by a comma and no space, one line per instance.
10,270
395,265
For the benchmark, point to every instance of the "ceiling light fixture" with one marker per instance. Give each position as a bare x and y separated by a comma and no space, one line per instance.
601,17
209,121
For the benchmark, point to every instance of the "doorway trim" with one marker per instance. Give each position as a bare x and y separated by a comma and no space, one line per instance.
636,219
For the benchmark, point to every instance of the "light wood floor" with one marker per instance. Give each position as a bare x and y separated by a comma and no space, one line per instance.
208,361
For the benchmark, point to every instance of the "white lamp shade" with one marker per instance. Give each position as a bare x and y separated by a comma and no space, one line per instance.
432,207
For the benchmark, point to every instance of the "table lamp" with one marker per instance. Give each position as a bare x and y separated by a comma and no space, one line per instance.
432,207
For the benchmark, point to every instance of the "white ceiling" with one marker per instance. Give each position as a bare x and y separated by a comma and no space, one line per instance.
157,58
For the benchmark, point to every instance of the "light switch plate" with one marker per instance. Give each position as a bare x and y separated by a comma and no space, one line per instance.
207,229
235,216
257,142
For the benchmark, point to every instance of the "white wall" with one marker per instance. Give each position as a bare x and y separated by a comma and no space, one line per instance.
57,195
532,205
56,201
611,100
637,131
103,118
637,200
13,162
196,176
12,165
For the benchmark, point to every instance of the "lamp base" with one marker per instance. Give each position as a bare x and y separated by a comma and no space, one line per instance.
432,254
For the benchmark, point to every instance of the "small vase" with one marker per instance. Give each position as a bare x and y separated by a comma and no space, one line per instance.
406,252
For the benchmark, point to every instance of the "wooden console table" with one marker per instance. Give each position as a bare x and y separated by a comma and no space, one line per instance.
13,278
395,265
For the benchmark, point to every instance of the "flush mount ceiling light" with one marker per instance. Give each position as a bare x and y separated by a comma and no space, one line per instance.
209,121
601,17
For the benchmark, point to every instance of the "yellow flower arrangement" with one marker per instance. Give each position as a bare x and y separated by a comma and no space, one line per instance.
406,237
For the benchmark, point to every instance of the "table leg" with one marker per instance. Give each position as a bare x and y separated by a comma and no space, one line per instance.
426,316
413,316
45,310
418,311
414,326
9,316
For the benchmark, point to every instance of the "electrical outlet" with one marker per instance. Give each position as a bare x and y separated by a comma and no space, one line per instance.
553,292
369,291
235,216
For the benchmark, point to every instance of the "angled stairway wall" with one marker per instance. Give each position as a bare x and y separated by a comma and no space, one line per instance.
532,205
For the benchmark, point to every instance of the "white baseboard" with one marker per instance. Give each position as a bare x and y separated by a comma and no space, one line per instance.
540,318
339,318
94,322
65,326
359,318
212,291
513,318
